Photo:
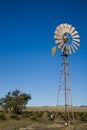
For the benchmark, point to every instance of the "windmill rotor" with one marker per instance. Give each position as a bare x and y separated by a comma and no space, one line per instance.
67,39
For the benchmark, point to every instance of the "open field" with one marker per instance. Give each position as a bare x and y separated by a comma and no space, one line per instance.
53,108
39,118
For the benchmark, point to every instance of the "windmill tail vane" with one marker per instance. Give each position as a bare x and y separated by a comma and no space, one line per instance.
53,50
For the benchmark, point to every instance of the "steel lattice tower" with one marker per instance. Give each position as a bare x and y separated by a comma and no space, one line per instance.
64,91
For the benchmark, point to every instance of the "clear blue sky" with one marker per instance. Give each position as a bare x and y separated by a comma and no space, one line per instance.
26,38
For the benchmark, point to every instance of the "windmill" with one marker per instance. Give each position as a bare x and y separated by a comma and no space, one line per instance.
67,39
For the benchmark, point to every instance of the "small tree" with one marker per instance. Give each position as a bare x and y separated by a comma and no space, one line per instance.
15,101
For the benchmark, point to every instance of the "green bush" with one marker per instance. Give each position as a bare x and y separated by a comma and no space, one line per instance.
83,117
34,115
40,114
26,114
2,116
14,116
33,118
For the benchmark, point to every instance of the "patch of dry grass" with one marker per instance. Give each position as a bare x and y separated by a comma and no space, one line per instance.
41,119
55,108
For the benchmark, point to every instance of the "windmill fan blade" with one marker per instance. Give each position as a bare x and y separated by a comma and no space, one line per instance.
61,32
60,45
64,30
76,43
65,25
75,33
58,28
57,37
61,25
58,41
76,40
75,46
76,37
53,50
72,48
72,30
68,27
61,29
62,48
57,33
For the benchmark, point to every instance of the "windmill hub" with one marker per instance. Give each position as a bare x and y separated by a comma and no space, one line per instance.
65,39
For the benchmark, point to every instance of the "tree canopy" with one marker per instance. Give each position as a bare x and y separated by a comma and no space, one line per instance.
15,101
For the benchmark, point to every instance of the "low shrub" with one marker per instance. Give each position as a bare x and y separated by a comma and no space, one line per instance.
2,116
14,116
27,114
83,117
